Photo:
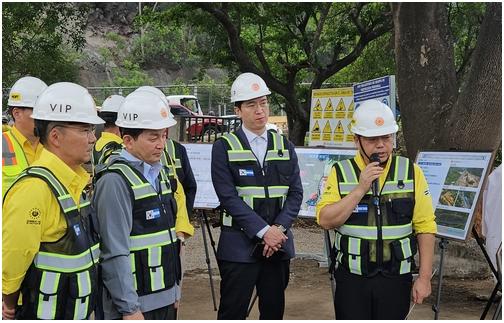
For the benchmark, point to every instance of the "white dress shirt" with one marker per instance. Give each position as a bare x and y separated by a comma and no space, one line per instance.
259,146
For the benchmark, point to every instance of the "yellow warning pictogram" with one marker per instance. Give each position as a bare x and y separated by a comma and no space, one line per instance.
317,110
315,133
339,133
349,135
351,109
340,109
327,132
339,128
328,110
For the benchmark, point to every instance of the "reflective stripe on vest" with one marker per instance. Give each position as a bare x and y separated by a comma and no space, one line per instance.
8,153
84,286
65,263
390,232
47,303
354,257
146,241
238,153
65,199
398,185
170,148
13,160
156,271
140,189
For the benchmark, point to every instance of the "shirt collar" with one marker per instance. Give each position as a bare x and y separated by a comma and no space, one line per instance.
251,136
147,168
19,136
74,181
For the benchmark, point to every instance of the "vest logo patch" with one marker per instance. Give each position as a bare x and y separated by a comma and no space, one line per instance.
77,229
152,214
361,208
246,172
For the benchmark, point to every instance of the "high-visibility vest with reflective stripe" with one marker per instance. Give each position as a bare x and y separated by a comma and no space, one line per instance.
101,156
263,189
13,160
171,160
357,241
153,242
61,283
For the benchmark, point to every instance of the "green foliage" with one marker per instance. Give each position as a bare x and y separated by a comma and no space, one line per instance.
465,19
131,75
42,40
376,60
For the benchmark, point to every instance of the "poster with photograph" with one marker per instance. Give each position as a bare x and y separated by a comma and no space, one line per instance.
455,180
315,165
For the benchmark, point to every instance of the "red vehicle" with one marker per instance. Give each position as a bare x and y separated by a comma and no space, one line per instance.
199,127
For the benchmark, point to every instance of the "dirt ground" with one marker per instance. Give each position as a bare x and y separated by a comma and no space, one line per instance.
308,296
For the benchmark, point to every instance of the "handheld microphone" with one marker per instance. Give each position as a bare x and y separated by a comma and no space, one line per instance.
375,185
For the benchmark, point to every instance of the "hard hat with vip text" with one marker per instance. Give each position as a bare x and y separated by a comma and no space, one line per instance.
66,102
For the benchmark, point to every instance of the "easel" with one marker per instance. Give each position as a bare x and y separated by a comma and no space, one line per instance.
442,246
494,271
205,223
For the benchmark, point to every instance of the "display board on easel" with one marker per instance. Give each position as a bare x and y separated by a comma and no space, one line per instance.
314,166
455,181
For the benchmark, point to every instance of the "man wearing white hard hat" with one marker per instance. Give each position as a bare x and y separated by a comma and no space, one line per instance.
381,210
255,174
20,146
110,139
49,251
140,216
175,157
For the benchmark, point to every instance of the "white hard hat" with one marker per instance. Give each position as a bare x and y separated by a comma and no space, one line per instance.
158,92
112,103
25,92
248,86
373,118
144,110
67,102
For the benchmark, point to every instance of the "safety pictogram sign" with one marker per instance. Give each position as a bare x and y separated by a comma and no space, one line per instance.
328,111
315,133
339,132
351,109
340,110
317,110
326,134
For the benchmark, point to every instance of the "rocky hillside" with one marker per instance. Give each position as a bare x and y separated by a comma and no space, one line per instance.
118,17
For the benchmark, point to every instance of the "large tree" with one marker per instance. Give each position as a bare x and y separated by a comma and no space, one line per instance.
41,39
439,109
287,44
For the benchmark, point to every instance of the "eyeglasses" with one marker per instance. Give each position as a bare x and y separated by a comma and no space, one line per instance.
375,140
88,130
252,105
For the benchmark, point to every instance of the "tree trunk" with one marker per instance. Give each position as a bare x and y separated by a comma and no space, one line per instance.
425,69
476,121
435,115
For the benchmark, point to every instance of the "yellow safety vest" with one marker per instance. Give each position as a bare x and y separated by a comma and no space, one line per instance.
13,160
